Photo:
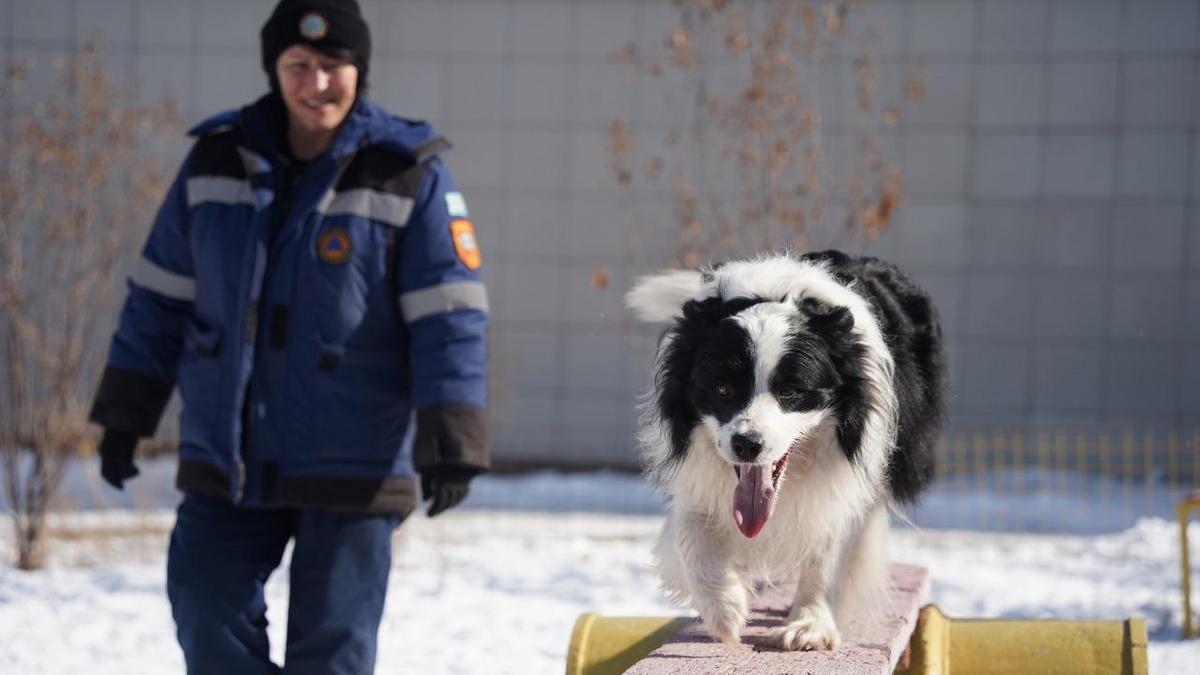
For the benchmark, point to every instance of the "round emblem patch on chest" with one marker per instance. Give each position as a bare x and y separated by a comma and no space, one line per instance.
333,246
313,26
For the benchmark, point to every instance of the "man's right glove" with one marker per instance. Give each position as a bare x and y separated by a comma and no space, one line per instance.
116,457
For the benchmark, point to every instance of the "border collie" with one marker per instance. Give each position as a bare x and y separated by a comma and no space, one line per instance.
795,399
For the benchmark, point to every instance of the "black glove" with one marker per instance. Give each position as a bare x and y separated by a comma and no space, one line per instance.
446,486
116,457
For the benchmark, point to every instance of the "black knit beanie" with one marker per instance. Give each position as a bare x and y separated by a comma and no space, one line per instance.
333,27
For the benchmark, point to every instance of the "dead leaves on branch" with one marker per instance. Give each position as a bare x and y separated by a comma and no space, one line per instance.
763,126
77,192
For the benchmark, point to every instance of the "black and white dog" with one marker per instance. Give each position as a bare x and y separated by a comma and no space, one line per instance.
795,399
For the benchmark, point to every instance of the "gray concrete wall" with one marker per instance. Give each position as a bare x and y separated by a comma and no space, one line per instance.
1052,172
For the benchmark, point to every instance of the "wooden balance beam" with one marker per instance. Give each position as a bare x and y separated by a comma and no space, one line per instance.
683,646
906,638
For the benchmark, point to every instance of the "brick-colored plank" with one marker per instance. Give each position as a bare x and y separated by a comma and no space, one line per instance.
869,647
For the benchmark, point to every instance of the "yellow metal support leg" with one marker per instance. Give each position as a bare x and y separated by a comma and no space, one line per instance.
1185,508
608,645
943,645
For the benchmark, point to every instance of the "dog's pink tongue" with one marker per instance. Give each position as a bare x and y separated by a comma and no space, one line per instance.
753,500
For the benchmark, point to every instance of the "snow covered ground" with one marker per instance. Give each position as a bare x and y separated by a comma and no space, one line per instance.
495,587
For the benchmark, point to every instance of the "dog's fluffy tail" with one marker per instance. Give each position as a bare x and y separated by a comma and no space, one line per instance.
658,298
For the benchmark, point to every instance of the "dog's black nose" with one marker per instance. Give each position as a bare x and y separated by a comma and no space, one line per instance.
746,447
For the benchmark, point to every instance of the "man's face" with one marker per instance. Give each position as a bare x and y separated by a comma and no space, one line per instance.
319,90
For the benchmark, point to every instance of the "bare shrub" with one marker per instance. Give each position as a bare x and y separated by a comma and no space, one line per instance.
76,185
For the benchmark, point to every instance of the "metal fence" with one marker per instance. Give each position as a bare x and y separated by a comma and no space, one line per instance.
1059,481
1053,482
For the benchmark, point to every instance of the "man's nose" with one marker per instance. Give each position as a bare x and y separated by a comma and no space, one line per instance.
321,79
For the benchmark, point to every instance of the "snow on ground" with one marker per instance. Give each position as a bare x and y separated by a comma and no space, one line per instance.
496,587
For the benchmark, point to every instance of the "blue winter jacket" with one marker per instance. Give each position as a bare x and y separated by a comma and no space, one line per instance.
328,340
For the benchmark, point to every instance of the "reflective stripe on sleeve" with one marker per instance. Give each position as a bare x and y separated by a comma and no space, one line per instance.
443,298
164,282
219,189
384,207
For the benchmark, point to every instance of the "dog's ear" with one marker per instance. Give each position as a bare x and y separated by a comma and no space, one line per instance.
833,323
706,310
827,319
852,418
659,298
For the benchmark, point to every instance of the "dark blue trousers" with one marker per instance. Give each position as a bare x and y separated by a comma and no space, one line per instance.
220,558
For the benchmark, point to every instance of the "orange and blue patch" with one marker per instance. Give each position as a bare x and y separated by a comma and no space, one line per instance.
333,246
466,245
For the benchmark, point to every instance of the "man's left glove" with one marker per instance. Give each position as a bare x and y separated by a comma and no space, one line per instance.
116,457
446,486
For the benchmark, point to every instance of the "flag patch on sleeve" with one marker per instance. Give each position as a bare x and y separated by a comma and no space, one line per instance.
456,206
465,243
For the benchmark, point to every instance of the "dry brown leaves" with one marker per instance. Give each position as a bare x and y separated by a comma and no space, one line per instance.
765,131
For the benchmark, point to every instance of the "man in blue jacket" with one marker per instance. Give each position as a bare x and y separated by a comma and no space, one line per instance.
312,285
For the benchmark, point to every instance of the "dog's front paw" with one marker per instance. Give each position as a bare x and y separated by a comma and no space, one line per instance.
807,629
727,628
725,614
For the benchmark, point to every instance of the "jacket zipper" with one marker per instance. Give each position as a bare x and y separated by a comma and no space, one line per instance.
249,335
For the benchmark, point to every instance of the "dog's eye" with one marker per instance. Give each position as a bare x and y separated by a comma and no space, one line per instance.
788,392
722,390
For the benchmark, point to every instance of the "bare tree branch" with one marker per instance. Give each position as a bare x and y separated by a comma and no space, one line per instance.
75,192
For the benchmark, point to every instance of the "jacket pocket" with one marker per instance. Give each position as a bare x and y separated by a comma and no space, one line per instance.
199,379
359,409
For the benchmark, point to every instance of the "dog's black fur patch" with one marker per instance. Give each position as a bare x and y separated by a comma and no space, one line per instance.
824,332
913,333
705,350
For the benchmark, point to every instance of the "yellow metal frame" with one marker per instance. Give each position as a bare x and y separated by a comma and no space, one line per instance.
1185,508
942,645
609,645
